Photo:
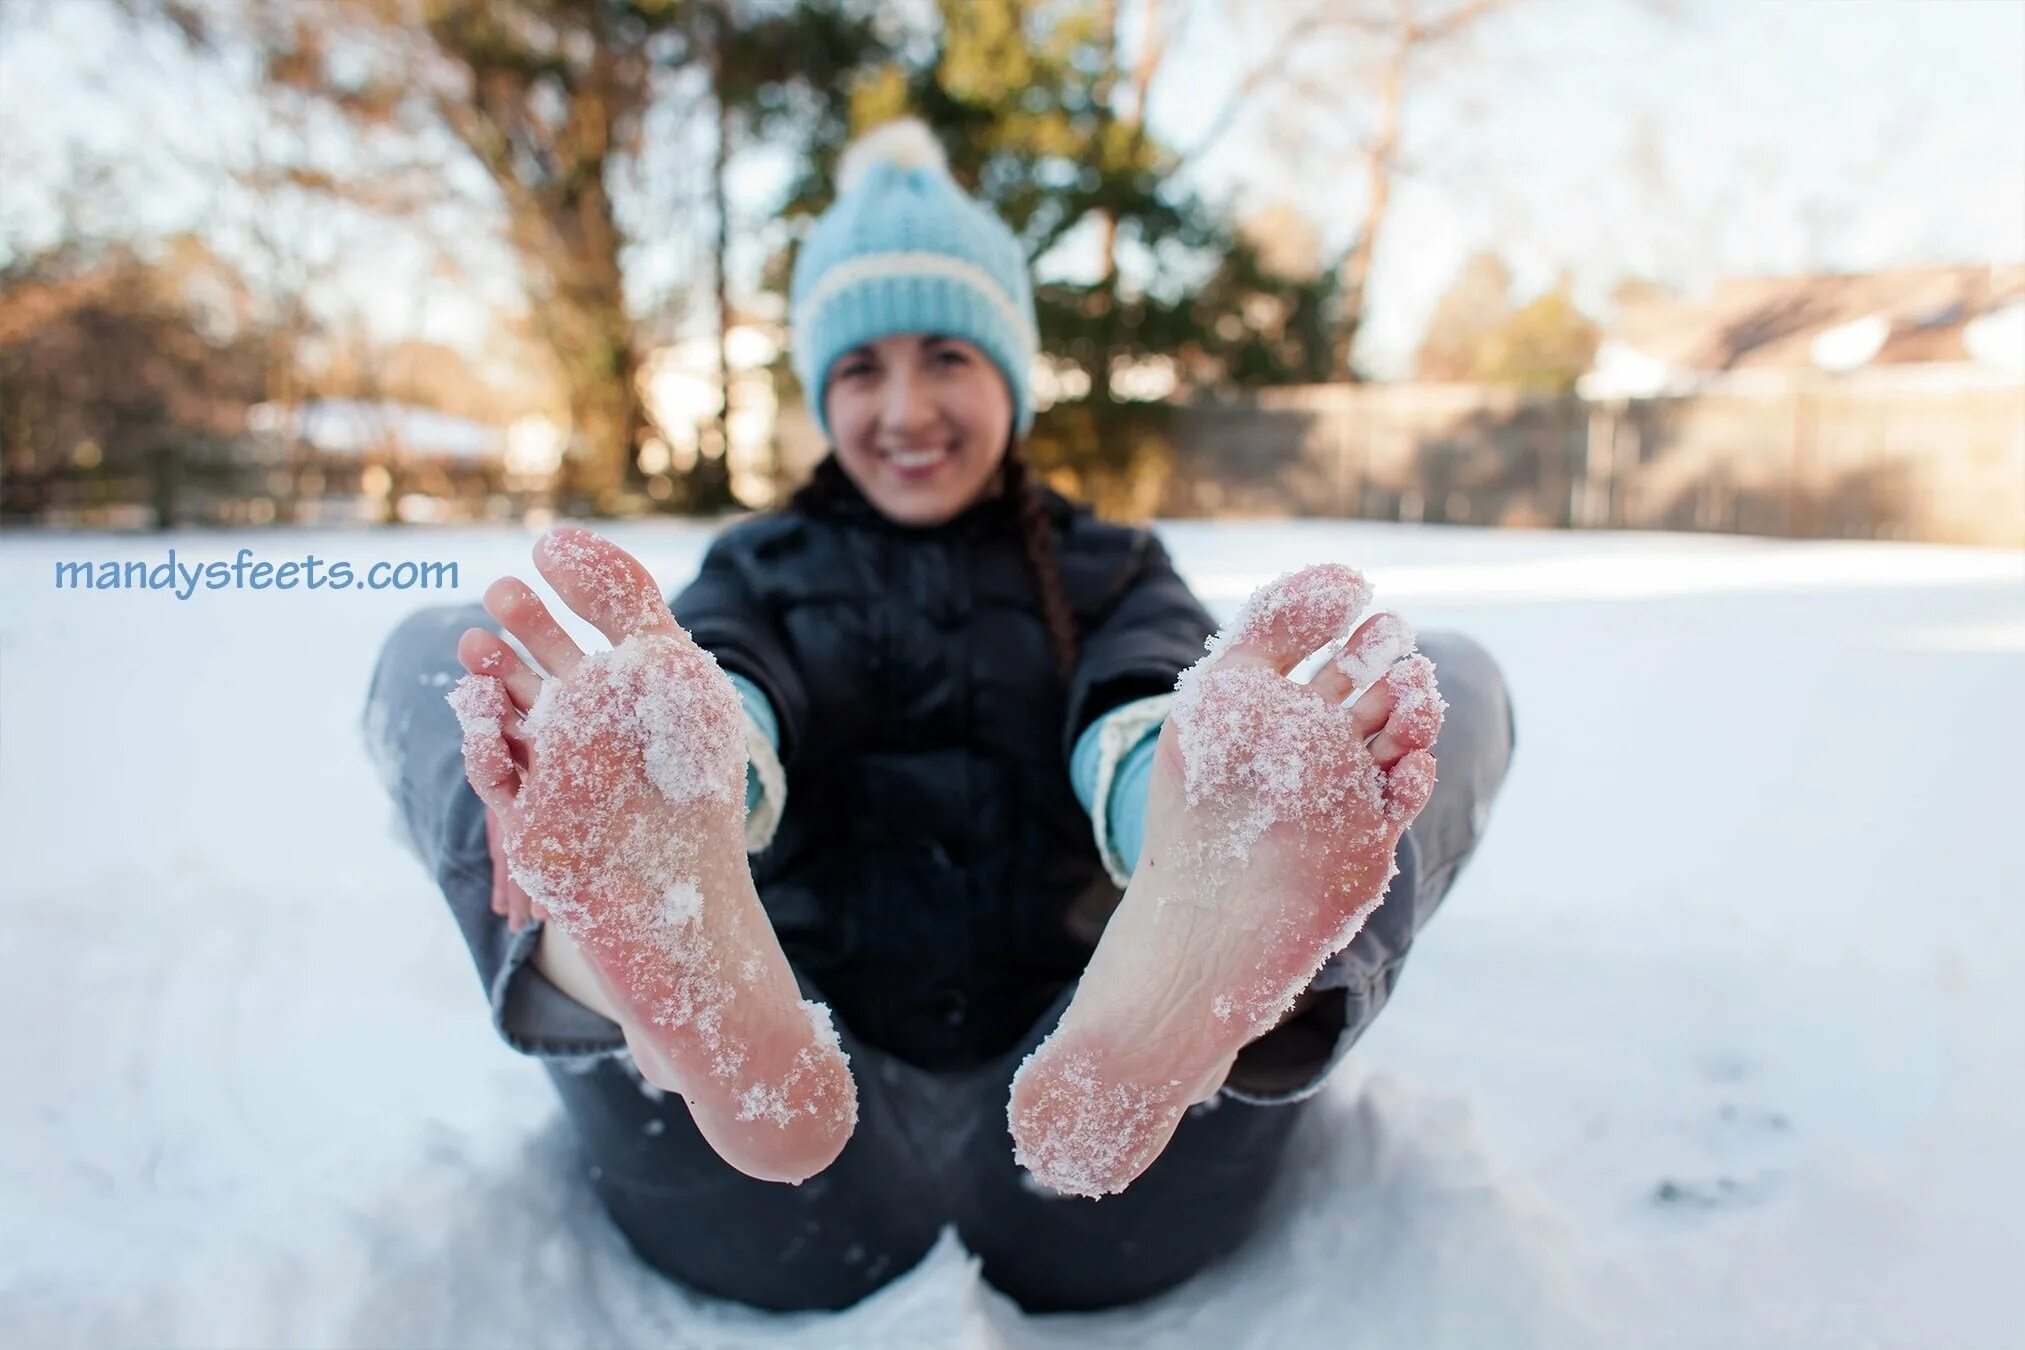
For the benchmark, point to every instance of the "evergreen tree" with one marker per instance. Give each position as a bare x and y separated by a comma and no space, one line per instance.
1028,99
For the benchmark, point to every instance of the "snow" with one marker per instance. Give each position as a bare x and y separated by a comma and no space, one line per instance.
359,426
1718,1041
1381,640
1418,705
649,723
1265,751
1258,750
1083,1129
1298,611
677,720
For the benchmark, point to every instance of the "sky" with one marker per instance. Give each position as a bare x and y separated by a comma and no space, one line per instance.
1794,135
1682,139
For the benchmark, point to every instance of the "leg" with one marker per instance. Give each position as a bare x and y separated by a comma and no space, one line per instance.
1197,1203
414,738
824,1244
1274,813
1203,1196
865,1220
617,779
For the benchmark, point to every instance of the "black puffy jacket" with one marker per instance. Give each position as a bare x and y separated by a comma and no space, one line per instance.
933,872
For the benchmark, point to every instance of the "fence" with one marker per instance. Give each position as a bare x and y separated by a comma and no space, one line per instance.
1908,457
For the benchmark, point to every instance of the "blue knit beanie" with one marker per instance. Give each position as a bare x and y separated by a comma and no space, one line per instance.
904,250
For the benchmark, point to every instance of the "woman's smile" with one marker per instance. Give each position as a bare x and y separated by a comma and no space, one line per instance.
920,422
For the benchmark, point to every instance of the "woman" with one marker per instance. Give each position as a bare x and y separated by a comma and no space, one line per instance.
894,756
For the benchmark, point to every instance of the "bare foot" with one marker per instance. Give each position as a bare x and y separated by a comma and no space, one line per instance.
1274,813
619,787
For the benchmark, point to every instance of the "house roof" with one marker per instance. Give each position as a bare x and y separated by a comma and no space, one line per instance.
1773,323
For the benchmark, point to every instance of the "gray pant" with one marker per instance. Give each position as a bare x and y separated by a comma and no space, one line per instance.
930,1148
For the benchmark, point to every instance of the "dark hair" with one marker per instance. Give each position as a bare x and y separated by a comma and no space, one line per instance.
1037,533
1037,538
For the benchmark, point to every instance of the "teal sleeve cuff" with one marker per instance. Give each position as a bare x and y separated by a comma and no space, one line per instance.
1083,765
1126,809
1129,791
760,713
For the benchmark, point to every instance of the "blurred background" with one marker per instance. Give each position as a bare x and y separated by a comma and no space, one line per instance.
1673,264
1542,312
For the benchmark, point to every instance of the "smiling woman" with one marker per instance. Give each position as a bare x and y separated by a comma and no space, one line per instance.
920,422
914,323
964,924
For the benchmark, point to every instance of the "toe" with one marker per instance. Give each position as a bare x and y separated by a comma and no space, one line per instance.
1408,785
1288,620
1378,642
1417,708
483,653
1369,713
604,583
509,901
483,712
521,612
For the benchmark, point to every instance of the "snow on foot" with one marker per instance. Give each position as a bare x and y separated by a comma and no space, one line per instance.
619,784
1275,811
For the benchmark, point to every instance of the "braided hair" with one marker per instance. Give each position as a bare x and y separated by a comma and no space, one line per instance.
1037,535
1037,539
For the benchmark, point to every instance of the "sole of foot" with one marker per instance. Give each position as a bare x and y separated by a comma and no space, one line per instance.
618,782
1275,812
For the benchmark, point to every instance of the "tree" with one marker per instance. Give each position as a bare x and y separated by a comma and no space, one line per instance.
1038,110
575,111
1545,347
1476,335
123,374
547,97
566,105
1477,304
1391,48
773,75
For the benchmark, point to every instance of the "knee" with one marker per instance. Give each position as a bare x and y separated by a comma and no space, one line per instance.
419,658
428,637
422,645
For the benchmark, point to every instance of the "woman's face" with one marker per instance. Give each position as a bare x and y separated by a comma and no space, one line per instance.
921,423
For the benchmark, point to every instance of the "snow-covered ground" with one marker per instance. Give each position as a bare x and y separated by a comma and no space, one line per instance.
1720,1041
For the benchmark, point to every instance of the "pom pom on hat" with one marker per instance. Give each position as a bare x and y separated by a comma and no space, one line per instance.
906,142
